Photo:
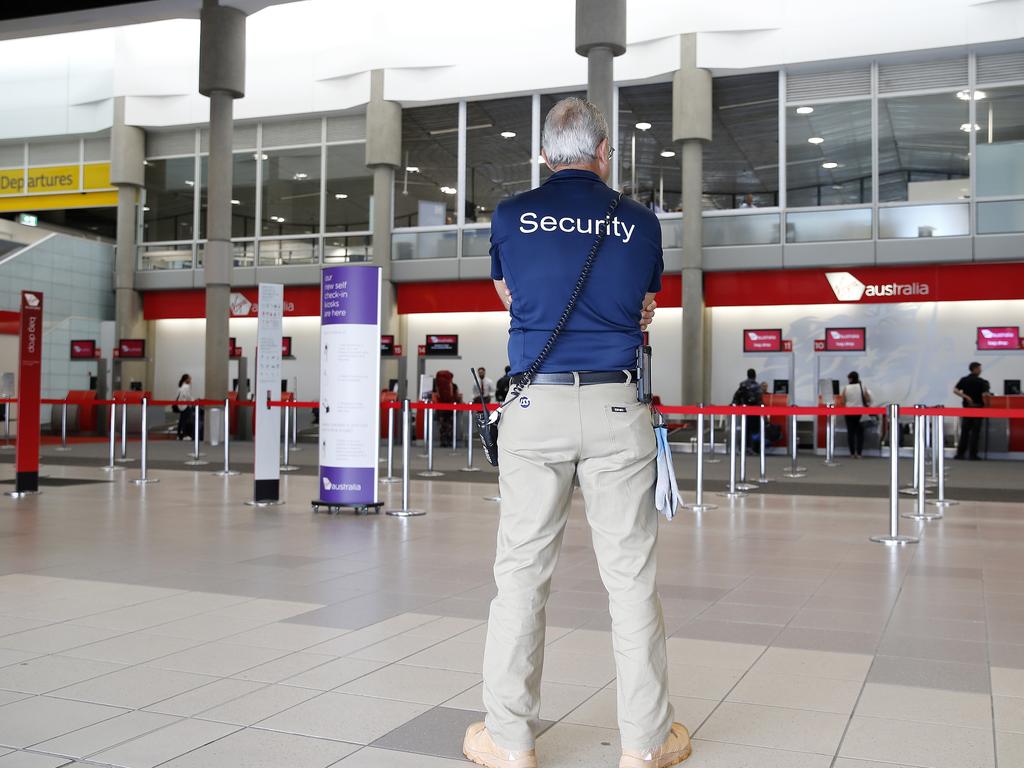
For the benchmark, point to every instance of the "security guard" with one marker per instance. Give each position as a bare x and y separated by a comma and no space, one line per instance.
579,418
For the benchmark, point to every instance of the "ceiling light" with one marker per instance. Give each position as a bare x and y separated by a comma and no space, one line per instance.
340,196
508,134
966,127
257,156
145,208
965,94
815,140
829,165
412,169
449,190
236,202
804,110
643,126
667,153
190,182
300,176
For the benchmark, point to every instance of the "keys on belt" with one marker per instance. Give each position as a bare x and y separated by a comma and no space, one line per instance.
583,377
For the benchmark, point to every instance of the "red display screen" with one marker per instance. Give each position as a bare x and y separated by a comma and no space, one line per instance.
233,349
286,346
387,345
131,349
442,345
762,340
1001,337
83,349
845,340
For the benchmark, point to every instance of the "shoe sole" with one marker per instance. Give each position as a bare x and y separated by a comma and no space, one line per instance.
676,761
479,760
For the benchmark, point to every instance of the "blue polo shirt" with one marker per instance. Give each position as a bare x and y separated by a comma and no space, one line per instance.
539,242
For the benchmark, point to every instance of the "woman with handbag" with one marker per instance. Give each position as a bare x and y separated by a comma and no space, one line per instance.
855,395
185,422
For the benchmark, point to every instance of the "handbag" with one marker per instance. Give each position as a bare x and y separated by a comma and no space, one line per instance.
176,408
871,420
487,423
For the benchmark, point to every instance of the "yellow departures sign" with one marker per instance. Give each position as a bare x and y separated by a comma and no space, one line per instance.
56,186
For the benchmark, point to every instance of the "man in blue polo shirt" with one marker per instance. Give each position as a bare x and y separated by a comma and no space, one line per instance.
580,418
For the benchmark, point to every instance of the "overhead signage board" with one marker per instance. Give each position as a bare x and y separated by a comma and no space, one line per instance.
441,345
131,349
350,345
83,349
845,340
286,346
387,345
999,338
762,340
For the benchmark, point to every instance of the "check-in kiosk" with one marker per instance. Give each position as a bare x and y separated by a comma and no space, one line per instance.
769,342
835,355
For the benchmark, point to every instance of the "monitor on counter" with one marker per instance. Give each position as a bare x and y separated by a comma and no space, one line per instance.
233,349
83,349
1011,386
286,346
762,339
387,345
131,349
446,344
998,337
780,387
845,339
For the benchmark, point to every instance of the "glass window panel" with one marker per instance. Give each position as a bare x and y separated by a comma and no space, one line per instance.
424,245
672,232
340,250
924,221
825,226
547,101
476,242
923,146
645,138
754,229
425,189
349,188
243,194
291,192
497,153
828,154
170,194
741,164
1000,141
1000,217
283,253
165,256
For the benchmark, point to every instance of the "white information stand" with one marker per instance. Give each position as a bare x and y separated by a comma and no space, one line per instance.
267,440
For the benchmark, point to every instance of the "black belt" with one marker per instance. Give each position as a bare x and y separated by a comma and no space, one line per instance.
583,377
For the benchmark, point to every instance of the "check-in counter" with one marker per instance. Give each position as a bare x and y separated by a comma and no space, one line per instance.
1003,435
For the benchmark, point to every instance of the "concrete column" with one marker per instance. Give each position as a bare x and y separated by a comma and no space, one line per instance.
127,173
383,156
222,79
691,127
601,36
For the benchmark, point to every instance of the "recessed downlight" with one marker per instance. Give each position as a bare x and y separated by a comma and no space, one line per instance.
449,190
643,126
340,196
966,127
236,202
667,153
815,140
804,110
965,94
829,165
508,134
412,169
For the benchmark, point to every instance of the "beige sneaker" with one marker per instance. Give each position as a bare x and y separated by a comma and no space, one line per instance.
675,749
481,749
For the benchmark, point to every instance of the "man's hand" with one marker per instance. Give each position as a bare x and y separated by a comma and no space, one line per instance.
647,312
503,293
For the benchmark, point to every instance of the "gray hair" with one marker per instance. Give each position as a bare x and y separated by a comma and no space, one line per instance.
572,130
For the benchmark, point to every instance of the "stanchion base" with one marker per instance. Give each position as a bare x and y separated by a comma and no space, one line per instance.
700,507
62,448
911,491
7,447
145,480
389,480
943,502
492,498
112,469
225,473
732,495
712,460
894,540
831,463
469,469
285,467
430,473
788,473
333,507
263,503
21,494
763,480
925,516
295,449
405,512
193,463
125,460
747,487
195,455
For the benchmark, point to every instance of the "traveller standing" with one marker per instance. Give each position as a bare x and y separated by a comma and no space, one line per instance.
975,393
855,395
484,391
501,388
579,418
750,392
186,424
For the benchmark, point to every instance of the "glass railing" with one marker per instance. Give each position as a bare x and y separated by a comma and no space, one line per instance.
741,229
243,253
343,249
1000,217
476,242
942,220
671,231
284,253
436,244
165,256
829,224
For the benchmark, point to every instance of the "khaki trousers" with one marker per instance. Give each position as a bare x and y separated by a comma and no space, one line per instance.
601,434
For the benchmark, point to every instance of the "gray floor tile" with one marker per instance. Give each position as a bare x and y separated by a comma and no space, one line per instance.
937,648
135,687
372,757
344,717
421,685
437,732
710,754
48,673
160,746
926,673
264,749
936,746
775,728
835,641
95,738
38,719
258,705
31,760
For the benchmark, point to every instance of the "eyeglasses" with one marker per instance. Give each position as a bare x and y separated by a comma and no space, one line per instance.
611,152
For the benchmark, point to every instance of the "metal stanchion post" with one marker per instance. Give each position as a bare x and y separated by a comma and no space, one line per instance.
431,472
698,502
920,513
295,432
470,437
830,439
743,485
762,448
942,501
111,465
144,478
391,448
195,460
124,434
712,459
63,427
287,466
793,470
455,431
911,490
733,492
894,537
7,446
227,471
405,511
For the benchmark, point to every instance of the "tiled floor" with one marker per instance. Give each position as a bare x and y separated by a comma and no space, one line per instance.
173,626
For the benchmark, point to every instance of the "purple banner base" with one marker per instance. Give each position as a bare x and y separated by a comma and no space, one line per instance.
350,486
